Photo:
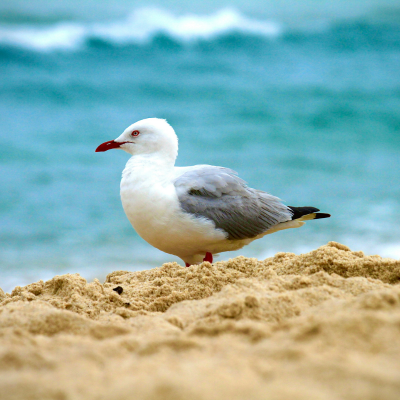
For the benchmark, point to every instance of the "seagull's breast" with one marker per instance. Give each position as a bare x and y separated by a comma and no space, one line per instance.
148,208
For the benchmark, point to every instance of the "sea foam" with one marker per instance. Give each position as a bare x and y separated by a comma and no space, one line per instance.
139,27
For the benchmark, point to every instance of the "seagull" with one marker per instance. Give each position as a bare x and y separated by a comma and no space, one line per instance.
193,212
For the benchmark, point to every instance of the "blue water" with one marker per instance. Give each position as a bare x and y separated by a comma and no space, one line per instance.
306,110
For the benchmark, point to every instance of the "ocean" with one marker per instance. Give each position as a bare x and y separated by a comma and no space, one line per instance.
302,103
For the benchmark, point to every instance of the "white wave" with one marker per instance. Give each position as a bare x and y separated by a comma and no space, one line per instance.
139,27
60,36
391,251
373,247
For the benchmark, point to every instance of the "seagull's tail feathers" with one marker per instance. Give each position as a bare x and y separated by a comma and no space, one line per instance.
300,215
306,213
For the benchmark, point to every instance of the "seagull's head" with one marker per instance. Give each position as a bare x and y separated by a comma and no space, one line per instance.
147,136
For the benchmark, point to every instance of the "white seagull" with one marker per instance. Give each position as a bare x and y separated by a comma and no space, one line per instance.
193,212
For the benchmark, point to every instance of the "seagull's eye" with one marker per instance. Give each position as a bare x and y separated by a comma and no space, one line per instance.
135,133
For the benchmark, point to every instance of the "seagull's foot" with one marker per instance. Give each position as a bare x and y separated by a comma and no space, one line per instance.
208,258
187,265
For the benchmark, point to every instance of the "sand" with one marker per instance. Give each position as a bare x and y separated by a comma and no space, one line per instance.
322,325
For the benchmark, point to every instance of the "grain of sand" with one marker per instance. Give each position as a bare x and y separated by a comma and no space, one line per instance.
321,325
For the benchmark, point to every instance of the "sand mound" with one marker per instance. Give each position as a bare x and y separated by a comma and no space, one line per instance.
323,325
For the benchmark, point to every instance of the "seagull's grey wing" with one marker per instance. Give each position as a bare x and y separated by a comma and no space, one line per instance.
218,194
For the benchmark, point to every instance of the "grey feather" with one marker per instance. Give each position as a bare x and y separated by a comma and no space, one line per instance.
219,195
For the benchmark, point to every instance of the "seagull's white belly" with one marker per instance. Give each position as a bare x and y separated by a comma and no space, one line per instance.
153,210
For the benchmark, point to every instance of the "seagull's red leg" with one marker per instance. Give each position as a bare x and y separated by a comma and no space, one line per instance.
208,258
187,265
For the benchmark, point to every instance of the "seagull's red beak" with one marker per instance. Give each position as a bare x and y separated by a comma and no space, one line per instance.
112,144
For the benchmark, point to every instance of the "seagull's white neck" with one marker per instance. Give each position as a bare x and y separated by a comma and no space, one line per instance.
148,167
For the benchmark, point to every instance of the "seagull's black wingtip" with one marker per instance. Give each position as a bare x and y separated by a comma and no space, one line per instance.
299,212
321,215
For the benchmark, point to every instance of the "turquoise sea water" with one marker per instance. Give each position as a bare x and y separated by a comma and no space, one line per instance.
306,108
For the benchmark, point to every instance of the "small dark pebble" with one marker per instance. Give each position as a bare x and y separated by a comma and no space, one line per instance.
118,289
127,304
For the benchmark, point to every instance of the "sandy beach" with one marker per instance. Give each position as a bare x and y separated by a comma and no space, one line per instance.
321,325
